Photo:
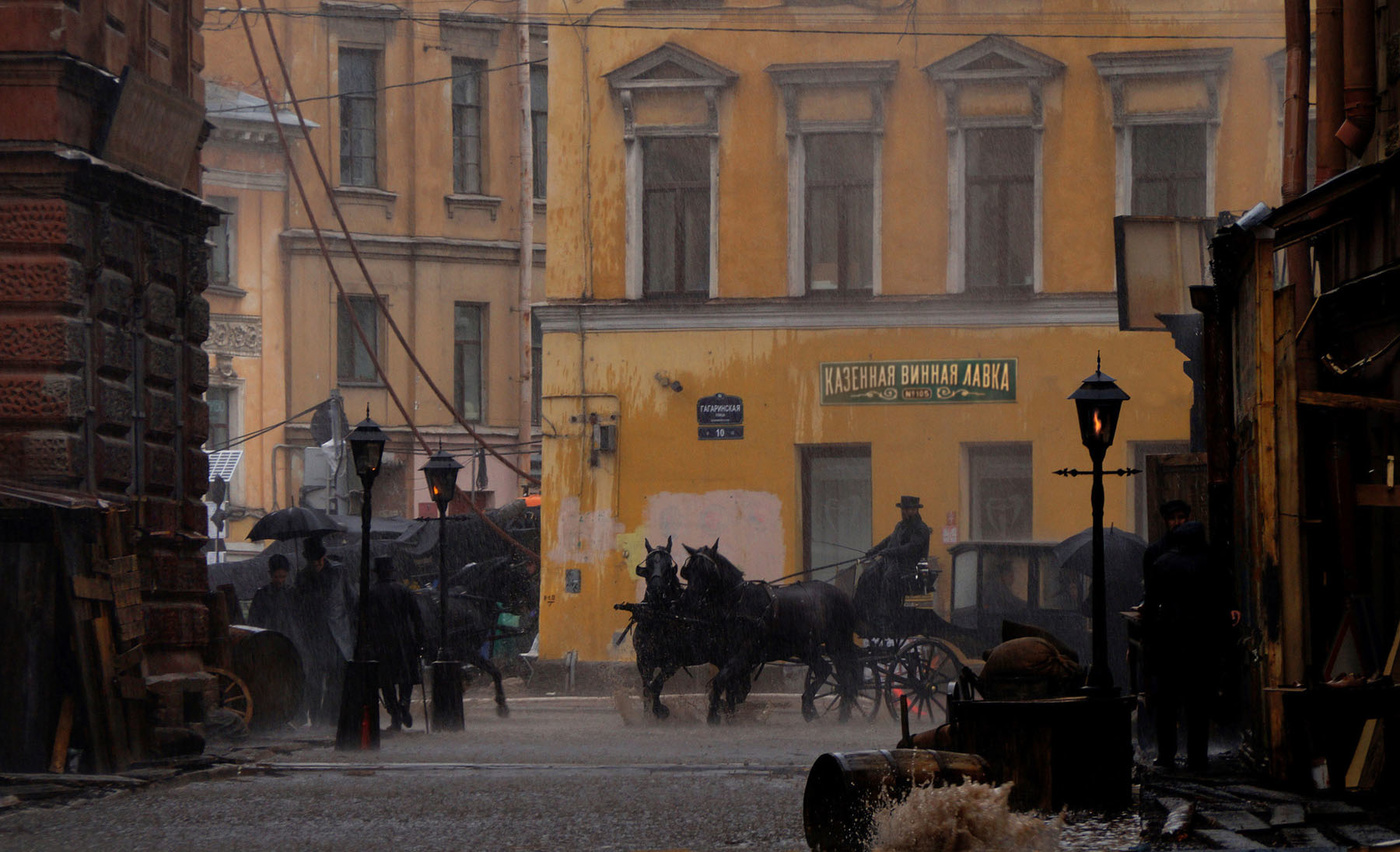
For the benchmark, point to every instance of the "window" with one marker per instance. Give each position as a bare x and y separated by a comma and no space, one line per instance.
993,92
220,402
836,499
1000,207
468,76
468,356
353,362
221,271
1169,170
840,209
539,125
359,100
999,491
676,216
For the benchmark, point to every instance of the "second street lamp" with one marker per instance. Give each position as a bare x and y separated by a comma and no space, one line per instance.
1098,402
441,473
358,728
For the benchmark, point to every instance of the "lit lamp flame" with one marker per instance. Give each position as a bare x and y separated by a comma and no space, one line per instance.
1098,424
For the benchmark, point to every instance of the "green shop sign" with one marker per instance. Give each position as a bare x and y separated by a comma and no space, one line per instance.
899,382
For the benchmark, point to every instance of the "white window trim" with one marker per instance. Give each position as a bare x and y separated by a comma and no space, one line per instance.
791,81
955,72
1208,65
695,73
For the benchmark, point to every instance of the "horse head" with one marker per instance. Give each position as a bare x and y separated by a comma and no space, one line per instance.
659,570
710,574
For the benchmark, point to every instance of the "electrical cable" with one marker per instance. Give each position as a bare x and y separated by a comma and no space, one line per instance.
233,442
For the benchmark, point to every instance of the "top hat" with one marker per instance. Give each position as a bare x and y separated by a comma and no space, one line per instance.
907,502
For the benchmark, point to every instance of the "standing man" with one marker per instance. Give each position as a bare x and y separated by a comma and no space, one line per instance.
1187,615
395,638
274,607
326,601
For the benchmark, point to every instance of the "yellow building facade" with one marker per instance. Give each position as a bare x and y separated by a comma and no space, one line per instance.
416,114
807,259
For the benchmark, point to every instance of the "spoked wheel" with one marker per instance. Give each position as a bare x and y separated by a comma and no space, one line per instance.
868,698
922,669
234,693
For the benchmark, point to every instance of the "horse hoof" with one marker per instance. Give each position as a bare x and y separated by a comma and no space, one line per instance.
662,711
502,710
713,719
809,713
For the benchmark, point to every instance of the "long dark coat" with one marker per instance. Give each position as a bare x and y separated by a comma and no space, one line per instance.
905,546
276,609
327,604
395,634
1186,602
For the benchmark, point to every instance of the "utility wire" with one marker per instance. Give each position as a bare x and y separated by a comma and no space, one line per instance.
233,442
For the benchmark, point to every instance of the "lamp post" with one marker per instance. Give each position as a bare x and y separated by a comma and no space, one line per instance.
359,702
1098,402
441,473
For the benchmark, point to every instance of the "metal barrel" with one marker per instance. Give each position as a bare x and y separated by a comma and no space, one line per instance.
268,662
844,789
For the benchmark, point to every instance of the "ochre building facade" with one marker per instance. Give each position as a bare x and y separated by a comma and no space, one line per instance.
885,240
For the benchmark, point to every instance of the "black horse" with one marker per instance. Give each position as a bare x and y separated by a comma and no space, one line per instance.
477,594
667,635
811,622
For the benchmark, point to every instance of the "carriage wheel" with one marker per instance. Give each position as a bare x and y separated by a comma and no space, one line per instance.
234,693
922,669
868,699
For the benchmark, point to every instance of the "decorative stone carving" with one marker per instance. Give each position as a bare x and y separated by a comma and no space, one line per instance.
235,335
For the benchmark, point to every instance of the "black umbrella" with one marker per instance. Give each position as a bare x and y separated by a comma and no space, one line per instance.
293,522
1121,551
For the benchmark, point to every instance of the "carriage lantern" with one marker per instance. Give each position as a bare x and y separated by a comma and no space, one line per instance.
358,728
441,473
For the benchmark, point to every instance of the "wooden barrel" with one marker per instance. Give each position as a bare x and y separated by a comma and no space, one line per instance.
268,662
843,790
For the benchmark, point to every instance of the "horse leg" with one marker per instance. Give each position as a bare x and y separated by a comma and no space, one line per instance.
820,670
490,668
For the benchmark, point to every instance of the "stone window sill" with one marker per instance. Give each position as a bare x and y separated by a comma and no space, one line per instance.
490,203
368,196
226,290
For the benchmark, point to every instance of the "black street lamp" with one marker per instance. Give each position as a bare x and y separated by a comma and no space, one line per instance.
441,473
359,702
1098,402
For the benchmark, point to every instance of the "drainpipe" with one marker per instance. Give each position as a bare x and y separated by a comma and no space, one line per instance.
1297,34
1331,154
525,340
1358,74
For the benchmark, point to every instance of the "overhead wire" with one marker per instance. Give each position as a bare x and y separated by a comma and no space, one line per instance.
325,252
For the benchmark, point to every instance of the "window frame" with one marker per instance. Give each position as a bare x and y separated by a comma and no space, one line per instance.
353,340
971,452
374,55
461,165
483,313
995,60
966,132
539,128
679,190
228,228
848,192
793,81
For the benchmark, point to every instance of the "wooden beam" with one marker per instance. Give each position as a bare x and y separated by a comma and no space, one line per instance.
1378,496
1347,401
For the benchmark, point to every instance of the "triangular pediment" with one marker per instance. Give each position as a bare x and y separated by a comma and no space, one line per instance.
995,58
671,66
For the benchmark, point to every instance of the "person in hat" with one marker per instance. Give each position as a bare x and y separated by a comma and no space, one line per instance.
327,602
274,607
902,550
395,638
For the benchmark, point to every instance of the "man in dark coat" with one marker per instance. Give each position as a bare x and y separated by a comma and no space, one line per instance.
326,601
903,549
1187,615
395,638
274,606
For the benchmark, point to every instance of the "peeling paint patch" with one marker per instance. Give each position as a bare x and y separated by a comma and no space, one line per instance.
749,525
589,538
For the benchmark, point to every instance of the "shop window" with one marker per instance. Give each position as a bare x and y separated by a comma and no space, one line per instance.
676,216
469,358
999,491
468,118
359,108
353,361
836,496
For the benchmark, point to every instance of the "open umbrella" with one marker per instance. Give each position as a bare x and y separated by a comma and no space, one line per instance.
1122,551
293,522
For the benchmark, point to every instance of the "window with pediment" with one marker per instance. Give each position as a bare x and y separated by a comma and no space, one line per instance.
671,138
1166,113
835,115
993,107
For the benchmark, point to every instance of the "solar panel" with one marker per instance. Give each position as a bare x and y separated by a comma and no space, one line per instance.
223,463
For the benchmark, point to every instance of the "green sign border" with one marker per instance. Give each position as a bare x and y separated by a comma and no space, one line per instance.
923,382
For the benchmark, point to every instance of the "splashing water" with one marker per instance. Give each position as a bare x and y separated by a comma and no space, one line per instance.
965,818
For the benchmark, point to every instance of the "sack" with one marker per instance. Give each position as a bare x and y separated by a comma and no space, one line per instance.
1029,667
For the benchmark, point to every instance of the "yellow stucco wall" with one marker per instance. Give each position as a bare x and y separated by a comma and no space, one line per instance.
663,481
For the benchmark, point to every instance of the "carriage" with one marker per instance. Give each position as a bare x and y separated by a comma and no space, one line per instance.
1000,590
